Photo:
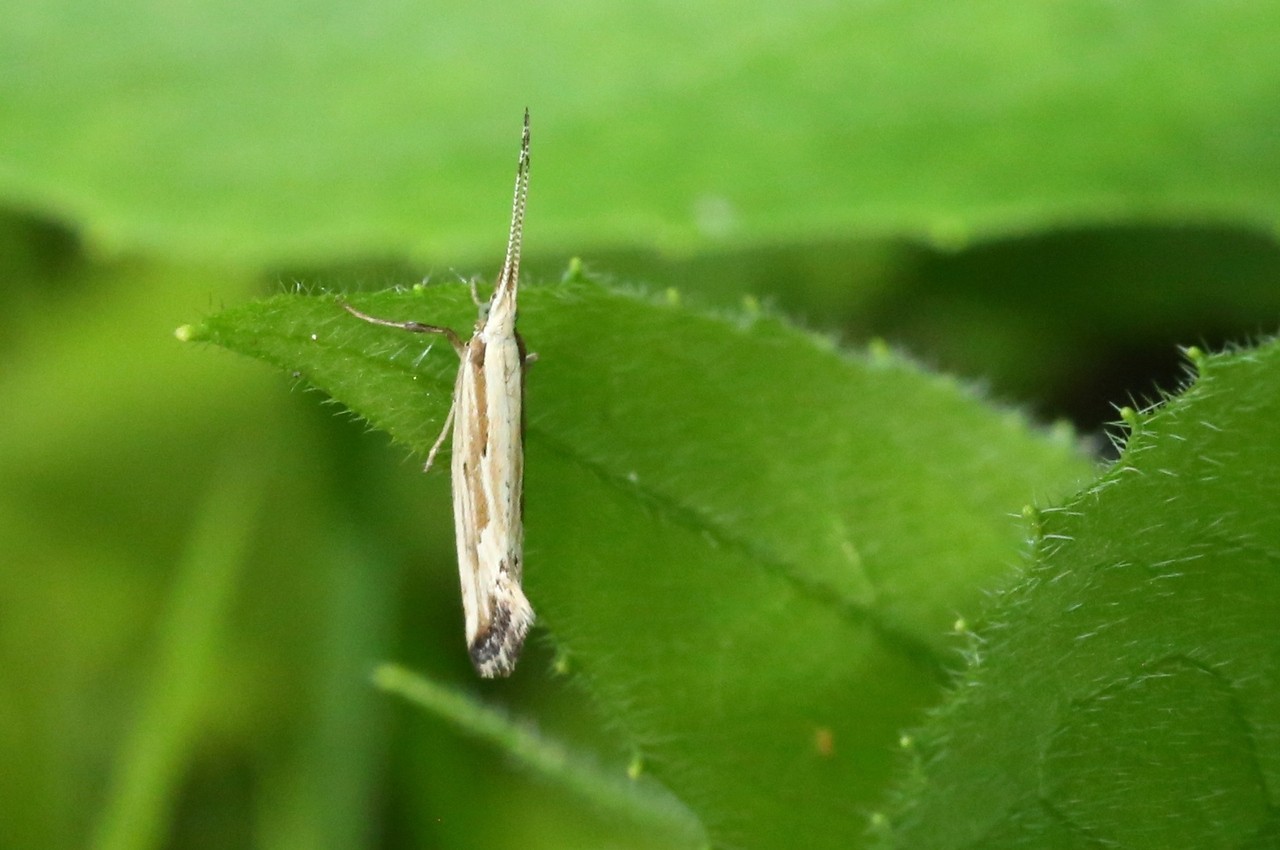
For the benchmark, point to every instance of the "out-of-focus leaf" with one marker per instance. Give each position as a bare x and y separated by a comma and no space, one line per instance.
329,128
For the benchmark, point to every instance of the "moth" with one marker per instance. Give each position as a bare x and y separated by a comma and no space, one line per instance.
488,456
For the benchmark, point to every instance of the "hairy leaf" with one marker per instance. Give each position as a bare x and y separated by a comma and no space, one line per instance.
750,544
1126,693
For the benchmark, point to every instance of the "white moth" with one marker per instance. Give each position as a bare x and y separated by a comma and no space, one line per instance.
488,457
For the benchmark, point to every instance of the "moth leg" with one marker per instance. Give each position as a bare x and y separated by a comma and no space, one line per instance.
413,327
444,432
531,357
475,294
420,328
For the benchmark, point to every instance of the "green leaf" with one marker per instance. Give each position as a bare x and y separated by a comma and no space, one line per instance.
748,543
330,128
1125,693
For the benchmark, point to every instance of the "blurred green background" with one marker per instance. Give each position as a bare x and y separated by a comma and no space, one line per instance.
1043,200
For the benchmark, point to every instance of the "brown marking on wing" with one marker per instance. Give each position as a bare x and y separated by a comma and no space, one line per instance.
475,359
480,442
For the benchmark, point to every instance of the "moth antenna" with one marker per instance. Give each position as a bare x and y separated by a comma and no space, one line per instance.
511,265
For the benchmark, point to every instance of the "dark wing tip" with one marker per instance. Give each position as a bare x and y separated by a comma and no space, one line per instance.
496,649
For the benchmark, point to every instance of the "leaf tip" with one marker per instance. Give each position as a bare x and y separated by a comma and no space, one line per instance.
188,333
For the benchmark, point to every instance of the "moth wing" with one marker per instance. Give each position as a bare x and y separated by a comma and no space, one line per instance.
488,480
